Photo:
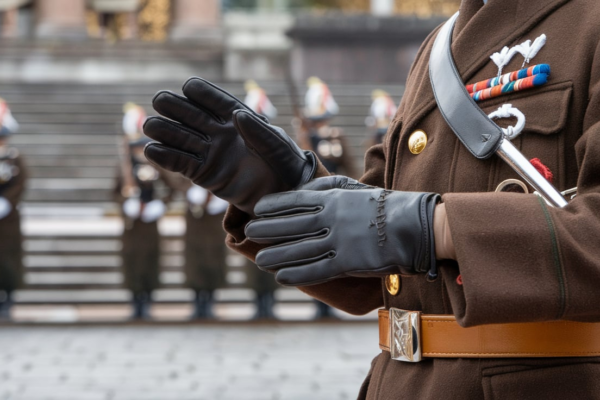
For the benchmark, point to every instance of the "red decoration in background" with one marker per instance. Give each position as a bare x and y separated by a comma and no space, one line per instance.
542,169
459,280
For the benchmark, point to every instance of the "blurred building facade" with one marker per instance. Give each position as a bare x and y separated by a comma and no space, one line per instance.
149,40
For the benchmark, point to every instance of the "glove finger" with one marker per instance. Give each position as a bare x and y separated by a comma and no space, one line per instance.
333,182
285,229
175,135
289,203
180,109
213,98
173,160
274,146
309,274
294,254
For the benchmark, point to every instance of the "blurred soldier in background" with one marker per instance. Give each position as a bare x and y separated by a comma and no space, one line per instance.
258,101
380,116
326,141
12,185
142,190
263,284
205,249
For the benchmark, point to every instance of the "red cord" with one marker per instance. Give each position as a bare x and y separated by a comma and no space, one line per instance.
542,169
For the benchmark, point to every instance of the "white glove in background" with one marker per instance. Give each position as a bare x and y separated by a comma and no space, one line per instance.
5,207
197,195
132,207
153,211
216,206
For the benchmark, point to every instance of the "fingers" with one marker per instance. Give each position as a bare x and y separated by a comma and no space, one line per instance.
288,203
310,274
176,136
333,182
285,229
180,109
212,98
294,254
274,146
173,160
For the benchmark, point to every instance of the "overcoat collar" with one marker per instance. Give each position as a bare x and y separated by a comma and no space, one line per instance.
480,31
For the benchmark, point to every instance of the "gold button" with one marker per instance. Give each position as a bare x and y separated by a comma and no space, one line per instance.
392,284
417,142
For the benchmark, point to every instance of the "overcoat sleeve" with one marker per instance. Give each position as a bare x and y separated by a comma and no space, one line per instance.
353,295
521,260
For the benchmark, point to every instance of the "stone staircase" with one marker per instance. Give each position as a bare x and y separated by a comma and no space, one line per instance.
69,136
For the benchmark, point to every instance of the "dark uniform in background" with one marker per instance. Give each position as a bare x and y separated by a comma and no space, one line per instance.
142,191
12,186
205,250
263,283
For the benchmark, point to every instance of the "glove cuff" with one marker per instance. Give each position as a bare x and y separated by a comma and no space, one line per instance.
310,170
429,262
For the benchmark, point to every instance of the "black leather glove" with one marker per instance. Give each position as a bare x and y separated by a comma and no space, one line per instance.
334,227
216,141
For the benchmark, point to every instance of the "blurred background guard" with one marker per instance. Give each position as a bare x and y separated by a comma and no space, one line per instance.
261,282
326,141
142,190
264,285
12,185
380,117
205,250
258,101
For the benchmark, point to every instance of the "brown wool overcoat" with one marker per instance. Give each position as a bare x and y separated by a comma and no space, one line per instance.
519,259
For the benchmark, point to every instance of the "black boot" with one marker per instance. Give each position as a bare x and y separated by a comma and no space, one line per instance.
203,305
141,306
323,310
264,306
6,303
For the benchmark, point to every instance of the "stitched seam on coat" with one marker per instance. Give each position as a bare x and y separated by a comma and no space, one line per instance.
556,256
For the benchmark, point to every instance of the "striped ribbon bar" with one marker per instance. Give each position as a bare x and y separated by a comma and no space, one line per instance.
510,87
509,77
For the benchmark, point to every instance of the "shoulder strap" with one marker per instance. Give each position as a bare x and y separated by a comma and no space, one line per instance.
480,135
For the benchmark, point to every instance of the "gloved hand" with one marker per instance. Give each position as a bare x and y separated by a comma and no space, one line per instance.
220,144
5,207
132,207
153,211
335,227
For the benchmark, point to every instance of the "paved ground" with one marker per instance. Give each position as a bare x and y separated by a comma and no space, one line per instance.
284,361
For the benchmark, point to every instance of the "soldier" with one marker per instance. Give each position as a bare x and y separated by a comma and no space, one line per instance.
205,250
380,116
142,190
12,186
257,100
503,287
263,284
326,141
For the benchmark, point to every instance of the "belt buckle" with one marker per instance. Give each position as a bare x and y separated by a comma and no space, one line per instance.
405,335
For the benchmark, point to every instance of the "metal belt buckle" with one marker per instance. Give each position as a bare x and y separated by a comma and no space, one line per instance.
405,335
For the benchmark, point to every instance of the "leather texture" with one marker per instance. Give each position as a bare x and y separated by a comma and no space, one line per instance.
215,140
336,227
480,135
443,337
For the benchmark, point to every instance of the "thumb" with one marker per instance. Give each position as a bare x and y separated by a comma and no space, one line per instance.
273,145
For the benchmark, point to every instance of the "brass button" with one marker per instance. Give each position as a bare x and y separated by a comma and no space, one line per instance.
417,142
392,284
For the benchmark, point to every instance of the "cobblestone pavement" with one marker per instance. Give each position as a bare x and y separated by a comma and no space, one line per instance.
283,361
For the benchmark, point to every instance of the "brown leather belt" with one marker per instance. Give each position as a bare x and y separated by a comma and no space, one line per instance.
413,335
